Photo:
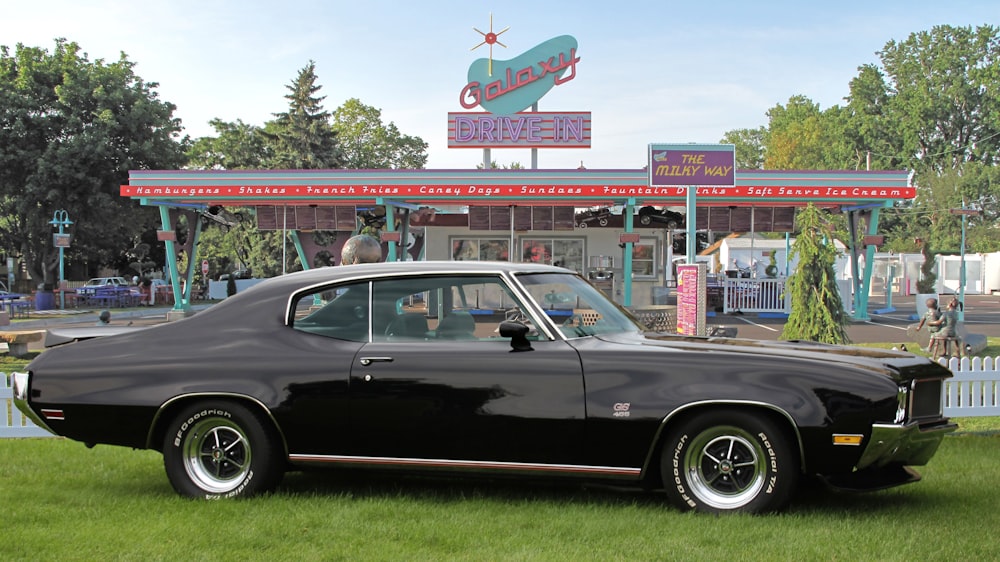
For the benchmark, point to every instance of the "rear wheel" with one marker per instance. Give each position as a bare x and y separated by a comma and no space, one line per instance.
221,449
729,461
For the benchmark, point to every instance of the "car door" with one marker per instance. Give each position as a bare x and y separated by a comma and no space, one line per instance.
450,396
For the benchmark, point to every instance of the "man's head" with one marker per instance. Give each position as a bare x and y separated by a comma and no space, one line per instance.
361,249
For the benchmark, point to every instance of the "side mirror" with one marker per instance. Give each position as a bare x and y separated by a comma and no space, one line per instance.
518,334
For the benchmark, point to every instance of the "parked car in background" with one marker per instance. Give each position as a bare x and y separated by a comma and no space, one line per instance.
669,219
238,274
467,368
91,286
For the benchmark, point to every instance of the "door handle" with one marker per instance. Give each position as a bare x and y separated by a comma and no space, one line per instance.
369,360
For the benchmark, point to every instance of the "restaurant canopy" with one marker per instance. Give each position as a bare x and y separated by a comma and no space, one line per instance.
858,193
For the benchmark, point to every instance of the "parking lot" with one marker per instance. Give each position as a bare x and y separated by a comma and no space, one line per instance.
982,316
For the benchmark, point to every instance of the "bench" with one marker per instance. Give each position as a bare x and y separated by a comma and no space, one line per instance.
17,342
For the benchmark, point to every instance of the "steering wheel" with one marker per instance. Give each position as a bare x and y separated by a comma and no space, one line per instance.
573,321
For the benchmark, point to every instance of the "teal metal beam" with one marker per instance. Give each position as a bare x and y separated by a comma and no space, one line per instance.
861,299
691,242
390,225
181,299
299,250
627,216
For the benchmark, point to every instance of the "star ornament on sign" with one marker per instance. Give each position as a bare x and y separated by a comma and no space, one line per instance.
490,39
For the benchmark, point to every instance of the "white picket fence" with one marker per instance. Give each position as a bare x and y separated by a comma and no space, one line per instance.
975,388
973,391
12,421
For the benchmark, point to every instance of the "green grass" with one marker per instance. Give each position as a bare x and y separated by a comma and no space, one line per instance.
992,348
62,501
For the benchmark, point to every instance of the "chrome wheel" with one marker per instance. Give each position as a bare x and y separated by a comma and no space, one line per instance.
725,467
727,460
217,455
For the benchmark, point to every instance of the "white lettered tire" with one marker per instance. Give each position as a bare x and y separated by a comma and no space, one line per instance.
221,449
725,461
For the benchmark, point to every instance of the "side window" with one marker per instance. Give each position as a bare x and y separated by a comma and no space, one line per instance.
340,312
434,309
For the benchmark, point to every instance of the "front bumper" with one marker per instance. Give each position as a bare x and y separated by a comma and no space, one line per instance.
19,387
903,444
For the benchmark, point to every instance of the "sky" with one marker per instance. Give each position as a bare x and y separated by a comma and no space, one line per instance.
649,72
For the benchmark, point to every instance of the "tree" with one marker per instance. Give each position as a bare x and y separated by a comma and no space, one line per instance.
302,137
802,137
495,166
941,81
749,145
368,144
238,146
71,130
817,309
872,124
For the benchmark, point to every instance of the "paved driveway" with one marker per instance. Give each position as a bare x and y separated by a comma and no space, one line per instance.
982,316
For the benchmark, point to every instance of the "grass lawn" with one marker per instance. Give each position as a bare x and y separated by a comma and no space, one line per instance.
63,501
992,348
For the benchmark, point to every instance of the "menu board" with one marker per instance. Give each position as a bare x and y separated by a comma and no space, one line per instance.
691,299
338,217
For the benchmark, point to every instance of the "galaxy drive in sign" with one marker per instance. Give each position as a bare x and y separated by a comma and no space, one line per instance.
674,165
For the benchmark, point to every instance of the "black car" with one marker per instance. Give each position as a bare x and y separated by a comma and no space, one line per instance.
485,368
649,215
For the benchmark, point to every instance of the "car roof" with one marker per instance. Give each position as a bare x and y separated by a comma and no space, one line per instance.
291,281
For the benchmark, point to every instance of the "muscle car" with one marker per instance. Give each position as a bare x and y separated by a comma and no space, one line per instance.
482,368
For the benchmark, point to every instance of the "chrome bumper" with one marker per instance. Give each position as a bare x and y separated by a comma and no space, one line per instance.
905,444
19,387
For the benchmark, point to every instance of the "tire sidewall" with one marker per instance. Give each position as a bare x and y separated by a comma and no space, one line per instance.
780,467
261,473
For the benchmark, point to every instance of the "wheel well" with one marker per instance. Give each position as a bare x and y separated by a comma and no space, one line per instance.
169,410
651,474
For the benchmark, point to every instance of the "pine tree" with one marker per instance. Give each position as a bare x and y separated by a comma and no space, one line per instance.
817,309
303,137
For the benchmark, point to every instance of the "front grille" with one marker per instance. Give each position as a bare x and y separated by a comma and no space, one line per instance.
925,399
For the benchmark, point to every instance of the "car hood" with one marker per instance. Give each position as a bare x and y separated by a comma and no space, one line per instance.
897,365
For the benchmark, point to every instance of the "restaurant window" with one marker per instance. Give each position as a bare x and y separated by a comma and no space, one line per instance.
562,252
480,249
644,258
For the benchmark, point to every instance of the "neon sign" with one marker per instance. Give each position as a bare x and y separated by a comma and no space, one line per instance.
529,129
505,87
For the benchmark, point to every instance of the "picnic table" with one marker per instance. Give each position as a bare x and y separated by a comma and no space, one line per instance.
17,305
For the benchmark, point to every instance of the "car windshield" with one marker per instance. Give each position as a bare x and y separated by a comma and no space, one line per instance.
576,306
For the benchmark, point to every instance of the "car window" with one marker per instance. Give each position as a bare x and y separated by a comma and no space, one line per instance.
576,306
413,309
440,308
337,312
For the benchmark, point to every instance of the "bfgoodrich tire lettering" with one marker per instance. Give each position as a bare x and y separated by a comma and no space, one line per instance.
728,461
221,449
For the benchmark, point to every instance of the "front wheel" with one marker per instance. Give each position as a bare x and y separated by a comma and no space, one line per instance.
221,449
729,461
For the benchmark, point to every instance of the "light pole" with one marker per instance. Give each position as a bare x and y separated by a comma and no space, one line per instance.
61,240
965,213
